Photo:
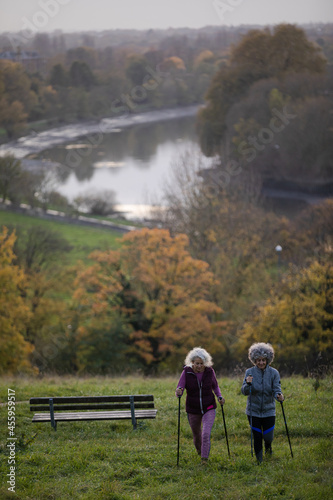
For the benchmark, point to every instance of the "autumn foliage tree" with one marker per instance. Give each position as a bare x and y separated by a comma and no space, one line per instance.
41,252
14,350
16,97
260,55
161,293
298,322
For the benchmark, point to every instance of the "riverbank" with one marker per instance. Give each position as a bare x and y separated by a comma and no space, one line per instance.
58,216
36,142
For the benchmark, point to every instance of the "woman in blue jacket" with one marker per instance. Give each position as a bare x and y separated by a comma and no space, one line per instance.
199,380
262,387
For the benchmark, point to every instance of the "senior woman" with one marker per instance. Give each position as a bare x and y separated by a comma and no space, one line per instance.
262,387
199,380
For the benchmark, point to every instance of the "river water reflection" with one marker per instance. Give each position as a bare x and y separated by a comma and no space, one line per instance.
133,162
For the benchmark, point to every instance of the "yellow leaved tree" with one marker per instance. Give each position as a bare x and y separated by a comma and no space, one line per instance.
298,322
14,313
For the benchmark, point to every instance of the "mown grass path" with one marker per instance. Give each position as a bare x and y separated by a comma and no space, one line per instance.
108,460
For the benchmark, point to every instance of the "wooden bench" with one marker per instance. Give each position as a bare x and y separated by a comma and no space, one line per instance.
80,408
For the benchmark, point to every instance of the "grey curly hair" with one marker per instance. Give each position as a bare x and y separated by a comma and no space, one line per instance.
261,350
198,352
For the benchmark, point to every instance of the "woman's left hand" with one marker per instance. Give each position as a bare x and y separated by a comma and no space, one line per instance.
280,397
221,401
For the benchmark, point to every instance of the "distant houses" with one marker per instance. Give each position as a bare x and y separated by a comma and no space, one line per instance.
30,59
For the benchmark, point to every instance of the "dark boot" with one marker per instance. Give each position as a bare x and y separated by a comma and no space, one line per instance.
259,457
268,449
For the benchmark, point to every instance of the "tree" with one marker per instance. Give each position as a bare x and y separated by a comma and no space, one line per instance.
23,188
12,116
17,98
205,56
292,52
17,84
14,313
59,76
10,170
311,234
45,188
81,75
159,291
102,346
47,328
259,55
173,64
136,69
97,203
41,252
298,322
306,146
38,248
87,55
277,53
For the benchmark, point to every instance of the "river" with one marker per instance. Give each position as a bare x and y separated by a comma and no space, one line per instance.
130,157
127,158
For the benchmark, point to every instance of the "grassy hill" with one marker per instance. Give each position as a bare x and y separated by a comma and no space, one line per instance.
109,460
83,239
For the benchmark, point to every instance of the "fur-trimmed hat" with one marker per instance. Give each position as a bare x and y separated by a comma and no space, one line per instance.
261,350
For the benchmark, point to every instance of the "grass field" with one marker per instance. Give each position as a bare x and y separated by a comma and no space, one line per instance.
109,460
83,239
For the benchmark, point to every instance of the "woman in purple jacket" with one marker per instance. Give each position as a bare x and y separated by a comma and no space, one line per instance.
199,380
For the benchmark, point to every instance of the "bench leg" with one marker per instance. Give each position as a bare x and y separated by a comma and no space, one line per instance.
53,422
133,412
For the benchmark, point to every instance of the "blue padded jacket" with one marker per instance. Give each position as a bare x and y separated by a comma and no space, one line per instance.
266,386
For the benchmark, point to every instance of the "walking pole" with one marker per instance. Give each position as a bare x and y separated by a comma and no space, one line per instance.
251,418
225,430
179,397
284,418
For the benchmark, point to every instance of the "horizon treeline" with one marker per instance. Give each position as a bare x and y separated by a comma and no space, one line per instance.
75,77
72,77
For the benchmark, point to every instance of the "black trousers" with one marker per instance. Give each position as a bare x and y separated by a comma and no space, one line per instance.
262,428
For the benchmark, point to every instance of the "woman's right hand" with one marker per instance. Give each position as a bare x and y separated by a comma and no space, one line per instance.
179,391
249,379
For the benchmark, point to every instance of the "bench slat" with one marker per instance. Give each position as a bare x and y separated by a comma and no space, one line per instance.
91,399
100,415
114,407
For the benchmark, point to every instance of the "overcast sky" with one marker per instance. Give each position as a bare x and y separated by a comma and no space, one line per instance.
84,15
